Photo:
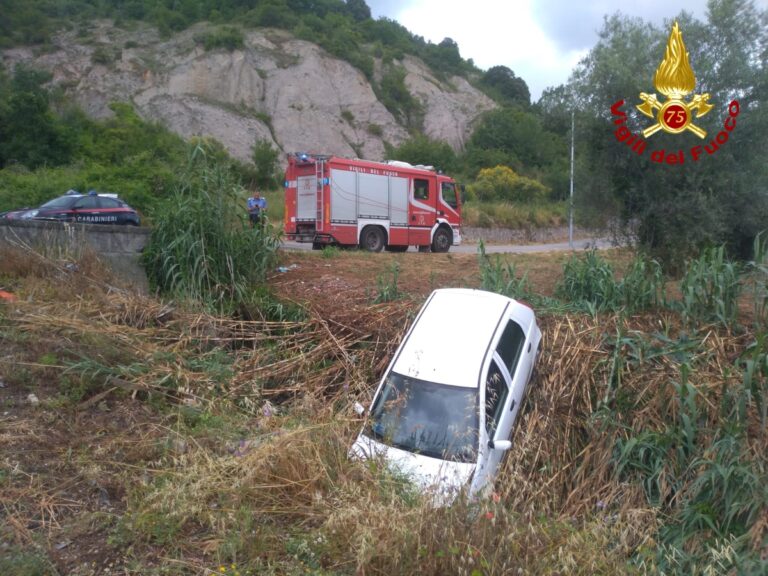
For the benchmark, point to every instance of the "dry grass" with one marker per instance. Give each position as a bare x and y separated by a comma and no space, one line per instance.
222,441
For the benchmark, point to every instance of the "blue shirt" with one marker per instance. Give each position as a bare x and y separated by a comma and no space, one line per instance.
257,204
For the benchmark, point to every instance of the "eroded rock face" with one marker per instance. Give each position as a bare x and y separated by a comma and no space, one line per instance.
277,88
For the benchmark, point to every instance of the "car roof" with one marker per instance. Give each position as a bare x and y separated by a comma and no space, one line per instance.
449,340
78,195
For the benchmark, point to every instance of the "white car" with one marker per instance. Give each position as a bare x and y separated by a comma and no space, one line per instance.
446,407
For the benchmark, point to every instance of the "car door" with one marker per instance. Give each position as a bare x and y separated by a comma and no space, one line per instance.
494,396
112,211
86,209
502,398
497,420
516,355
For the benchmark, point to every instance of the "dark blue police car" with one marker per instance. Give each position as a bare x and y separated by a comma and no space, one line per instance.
91,208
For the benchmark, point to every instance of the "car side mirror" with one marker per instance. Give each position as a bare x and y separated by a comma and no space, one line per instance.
359,408
500,444
463,194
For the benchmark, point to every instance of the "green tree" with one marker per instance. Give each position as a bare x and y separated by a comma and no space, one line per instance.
515,137
502,83
359,10
423,150
30,134
265,159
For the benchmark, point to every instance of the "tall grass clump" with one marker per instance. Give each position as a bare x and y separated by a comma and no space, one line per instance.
757,270
501,278
388,290
589,281
642,287
515,216
202,246
710,289
695,444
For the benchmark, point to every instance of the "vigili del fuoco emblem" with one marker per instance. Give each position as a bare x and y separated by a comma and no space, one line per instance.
674,79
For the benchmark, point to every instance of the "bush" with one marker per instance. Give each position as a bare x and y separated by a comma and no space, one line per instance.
503,183
226,37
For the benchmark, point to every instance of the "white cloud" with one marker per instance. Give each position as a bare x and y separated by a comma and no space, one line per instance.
492,33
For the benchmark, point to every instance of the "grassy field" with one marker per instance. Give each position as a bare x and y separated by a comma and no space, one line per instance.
140,436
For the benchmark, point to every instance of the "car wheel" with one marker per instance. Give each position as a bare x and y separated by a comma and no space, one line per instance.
442,240
372,239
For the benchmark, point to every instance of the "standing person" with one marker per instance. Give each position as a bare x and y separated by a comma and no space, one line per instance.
256,204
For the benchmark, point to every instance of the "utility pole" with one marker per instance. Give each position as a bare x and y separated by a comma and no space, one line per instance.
570,203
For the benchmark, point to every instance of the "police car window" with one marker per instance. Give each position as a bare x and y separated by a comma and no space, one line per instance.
421,189
109,202
449,194
60,202
495,394
87,202
511,345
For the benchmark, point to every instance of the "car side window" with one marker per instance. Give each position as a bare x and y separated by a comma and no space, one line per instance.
496,391
448,191
109,203
87,202
511,345
421,189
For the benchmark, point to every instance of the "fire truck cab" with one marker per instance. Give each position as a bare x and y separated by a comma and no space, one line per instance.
374,205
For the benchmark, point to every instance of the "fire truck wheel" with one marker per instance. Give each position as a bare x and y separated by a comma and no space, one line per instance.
372,239
442,240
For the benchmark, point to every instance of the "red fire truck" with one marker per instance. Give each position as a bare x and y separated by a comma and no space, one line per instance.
374,205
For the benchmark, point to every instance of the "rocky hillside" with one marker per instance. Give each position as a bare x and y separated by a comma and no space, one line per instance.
276,88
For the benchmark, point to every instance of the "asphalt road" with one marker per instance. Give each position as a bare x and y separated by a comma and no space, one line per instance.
471,248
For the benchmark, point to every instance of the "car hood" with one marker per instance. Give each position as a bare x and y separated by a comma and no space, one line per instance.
15,214
441,480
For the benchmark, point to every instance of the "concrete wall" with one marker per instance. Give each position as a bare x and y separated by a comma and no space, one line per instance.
516,235
118,246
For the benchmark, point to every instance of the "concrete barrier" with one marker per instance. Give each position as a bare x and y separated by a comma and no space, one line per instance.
119,247
519,235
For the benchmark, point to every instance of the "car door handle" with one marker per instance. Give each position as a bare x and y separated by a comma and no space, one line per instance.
512,407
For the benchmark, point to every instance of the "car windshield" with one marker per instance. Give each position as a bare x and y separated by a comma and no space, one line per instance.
60,202
435,420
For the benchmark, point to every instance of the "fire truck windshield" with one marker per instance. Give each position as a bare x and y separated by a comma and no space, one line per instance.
449,194
431,419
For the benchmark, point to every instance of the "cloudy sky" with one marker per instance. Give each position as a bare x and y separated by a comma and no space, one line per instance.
540,40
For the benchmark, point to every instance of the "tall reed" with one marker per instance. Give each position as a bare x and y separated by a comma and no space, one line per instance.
202,247
710,289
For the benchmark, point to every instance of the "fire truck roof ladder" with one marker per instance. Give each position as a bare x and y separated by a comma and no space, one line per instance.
319,175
